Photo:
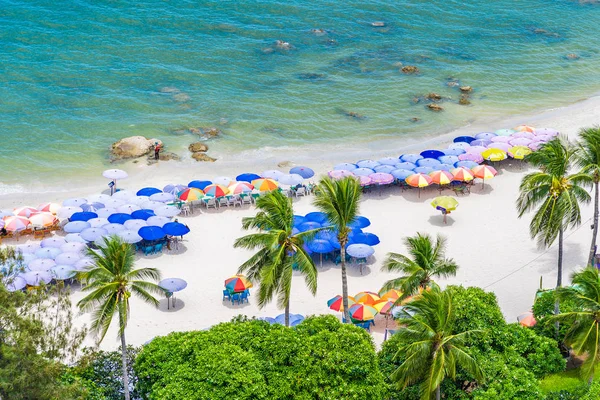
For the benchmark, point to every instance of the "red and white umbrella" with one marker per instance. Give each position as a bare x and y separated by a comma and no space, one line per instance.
16,223
25,211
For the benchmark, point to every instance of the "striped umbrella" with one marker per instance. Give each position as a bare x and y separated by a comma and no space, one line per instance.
16,223
237,283
368,298
240,187
340,173
494,154
191,194
519,152
25,211
462,174
362,312
484,172
49,207
441,177
525,128
383,306
419,180
43,219
265,184
391,294
337,303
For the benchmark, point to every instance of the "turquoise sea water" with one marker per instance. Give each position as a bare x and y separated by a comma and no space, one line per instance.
76,76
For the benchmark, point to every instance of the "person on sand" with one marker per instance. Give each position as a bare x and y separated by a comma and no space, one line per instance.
157,148
445,213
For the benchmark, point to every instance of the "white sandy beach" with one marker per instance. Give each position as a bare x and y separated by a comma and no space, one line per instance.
490,244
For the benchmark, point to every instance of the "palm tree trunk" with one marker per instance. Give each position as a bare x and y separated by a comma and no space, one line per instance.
438,394
595,226
287,313
559,277
124,359
344,281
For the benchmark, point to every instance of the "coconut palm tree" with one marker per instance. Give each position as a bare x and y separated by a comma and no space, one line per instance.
553,194
110,282
588,158
339,201
584,332
426,261
279,251
431,350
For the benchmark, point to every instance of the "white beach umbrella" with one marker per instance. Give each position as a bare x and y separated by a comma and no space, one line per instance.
36,278
151,205
115,174
98,198
167,211
62,272
73,247
14,284
130,236
291,179
76,226
74,238
53,242
67,211
272,174
114,203
138,200
74,202
84,263
41,264
123,195
162,197
29,247
113,229
128,208
92,234
48,252
222,180
28,257
157,221
104,213
99,222
68,258
134,224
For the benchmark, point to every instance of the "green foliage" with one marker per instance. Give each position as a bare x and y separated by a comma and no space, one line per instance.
593,392
543,310
320,358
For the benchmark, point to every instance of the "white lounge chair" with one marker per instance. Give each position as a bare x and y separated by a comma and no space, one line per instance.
301,192
211,203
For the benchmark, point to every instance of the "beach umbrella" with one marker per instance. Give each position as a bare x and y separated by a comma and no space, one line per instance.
43,219
6,213
392,295
294,319
464,139
504,132
520,142
444,167
151,233
119,218
62,272
368,163
53,242
476,149
475,157
112,204
68,258
448,159
148,191
14,284
263,185
363,171
66,212
457,151
121,195
74,202
36,278
128,209
114,174
525,128
423,170
298,219
466,164
173,284
383,306
73,247
104,213
519,152
167,211
307,226
441,177
304,172
92,207
271,174
29,248
479,142
25,211
15,223
41,264
484,172
291,179
462,174
340,173
485,136
316,216
419,180
216,190
82,216
460,146
134,224
428,162
535,145
444,203
320,246
142,214
237,283
386,161
74,238
113,228
162,197
365,238
157,221
527,320
246,177
362,312
84,263
360,222
498,145
381,178
49,207
337,303
406,165
175,229
501,139
48,252
191,194
401,174
368,298
432,154
360,250
92,234
129,236
386,169
95,222
223,181
541,138
199,184
494,154
345,167
364,180
545,131
174,189
413,158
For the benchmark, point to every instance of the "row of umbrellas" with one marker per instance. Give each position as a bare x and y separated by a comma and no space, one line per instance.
364,306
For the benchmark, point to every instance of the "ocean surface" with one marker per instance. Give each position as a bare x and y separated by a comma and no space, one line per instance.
76,76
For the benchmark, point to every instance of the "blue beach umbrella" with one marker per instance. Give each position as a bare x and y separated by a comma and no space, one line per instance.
307,226
298,219
113,228
267,319
173,284
428,162
423,170
294,319
363,171
320,246
360,250
326,235
175,229
148,191
480,142
413,158
431,154
76,226
388,161
360,222
369,239
402,174
119,218
174,189
48,252
467,164
199,184
316,216
93,234
304,172
151,233
454,151
83,216
345,166
485,135
69,258
466,139
92,207
444,167
406,165
246,177
367,164
142,214
448,159
385,168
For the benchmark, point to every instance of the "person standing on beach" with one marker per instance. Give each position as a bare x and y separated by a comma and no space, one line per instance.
157,148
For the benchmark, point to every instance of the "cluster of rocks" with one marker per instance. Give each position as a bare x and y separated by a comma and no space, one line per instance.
409,69
198,150
139,146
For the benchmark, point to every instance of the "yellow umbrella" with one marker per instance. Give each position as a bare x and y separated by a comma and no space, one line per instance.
462,174
383,306
391,294
441,177
264,184
494,155
368,298
419,180
445,204
519,152
484,172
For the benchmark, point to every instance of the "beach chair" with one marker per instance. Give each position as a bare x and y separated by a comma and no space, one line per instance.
211,203
244,297
226,295
301,192
148,250
158,248
38,234
223,201
186,209
235,200
246,198
236,297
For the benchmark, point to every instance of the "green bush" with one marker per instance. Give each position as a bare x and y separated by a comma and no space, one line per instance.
320,358
543,308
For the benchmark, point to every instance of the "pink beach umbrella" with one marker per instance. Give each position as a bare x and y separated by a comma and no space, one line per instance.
340,173
500,146
545,131
543,138
381,178
523,134
501,139
535,146
364,180
53,242
49,207
476,157
476,149
15,224
25,211
521,142
41,264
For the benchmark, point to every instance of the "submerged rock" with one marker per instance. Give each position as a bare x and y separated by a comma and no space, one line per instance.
281,45
133,147
163,156
181,97
410,69
572,56
169,89
198,147
466,89
435,107
433,97
351,114
203,157
318,31
464,100
415,119
210,132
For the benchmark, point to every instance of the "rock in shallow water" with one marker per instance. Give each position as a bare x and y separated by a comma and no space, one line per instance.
435,107
198,147
133,147
410,69
203,157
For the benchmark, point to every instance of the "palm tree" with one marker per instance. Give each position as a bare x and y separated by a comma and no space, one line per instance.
426,261
584,332
588,158
279,251
430,349
554,194
111,281
339,201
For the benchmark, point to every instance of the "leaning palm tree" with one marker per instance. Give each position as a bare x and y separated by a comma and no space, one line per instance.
426,261
431,350
111,281
588,158
553,194
339,201
279,251
584,332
